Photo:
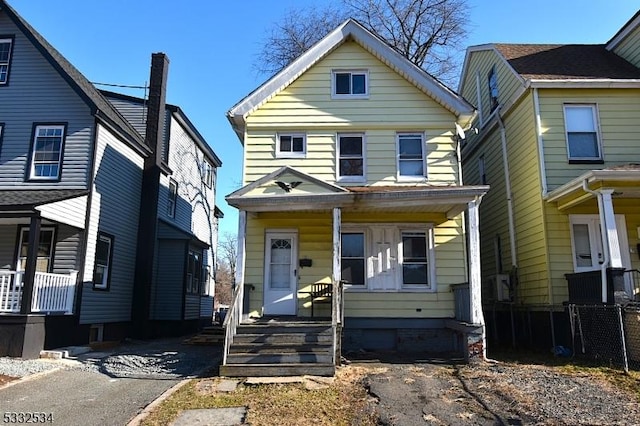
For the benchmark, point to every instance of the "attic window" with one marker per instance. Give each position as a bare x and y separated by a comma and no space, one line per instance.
350,84
291,145
492,79
5,59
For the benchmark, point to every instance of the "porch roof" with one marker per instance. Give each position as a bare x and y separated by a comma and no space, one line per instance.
450,200
624,180
28,199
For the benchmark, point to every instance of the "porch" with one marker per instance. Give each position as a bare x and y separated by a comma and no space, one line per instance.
52,293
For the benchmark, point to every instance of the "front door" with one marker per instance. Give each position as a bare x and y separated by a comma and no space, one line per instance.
280,281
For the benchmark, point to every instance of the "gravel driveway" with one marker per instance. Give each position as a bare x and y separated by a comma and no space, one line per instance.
104,388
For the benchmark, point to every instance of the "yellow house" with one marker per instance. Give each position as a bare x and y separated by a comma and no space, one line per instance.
558,142
351,195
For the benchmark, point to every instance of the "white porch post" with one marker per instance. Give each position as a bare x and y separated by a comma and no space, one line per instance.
608,220
337,222
241,255
475,291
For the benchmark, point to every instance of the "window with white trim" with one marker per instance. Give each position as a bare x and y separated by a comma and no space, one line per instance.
351,157
207,177
44,262
291,145
414,259
411,156
350,84
492,80
583,142
194,272
104,257
353,260
172,199
46,152
5,59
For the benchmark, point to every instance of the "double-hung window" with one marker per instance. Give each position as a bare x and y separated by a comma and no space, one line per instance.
44,261
5,59
291,145
353,260
583,142
351,157
172,198
350,84
46,152
207,176
104,257
492,80
415,259
411,156
194,272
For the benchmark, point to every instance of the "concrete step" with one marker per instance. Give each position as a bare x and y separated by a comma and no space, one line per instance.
280,358
283,338
253,348
283,329
271,370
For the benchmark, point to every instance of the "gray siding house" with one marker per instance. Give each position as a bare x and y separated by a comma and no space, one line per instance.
82,171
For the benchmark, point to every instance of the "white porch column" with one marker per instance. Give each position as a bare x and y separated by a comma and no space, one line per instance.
337,223
241,255
475,291
608,221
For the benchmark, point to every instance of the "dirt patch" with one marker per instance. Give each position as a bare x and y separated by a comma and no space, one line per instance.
503,394
6,379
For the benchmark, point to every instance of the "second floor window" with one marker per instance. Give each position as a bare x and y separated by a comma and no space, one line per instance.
351,157
5,59
492,79
207,177
46,156
350,84
290,145
410,156
582,132
173,198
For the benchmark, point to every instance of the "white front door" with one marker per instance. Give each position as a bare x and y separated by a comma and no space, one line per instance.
280,281
383,259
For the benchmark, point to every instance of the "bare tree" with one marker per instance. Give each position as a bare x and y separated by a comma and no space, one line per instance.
228,252
224,283
427,32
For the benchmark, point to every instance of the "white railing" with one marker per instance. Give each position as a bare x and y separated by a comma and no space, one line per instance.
51,292
232,320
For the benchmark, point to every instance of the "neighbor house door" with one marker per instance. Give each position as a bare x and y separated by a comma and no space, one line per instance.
280,282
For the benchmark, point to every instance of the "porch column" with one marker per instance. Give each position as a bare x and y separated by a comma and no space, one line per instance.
238,278
608,220
337,223
475,293
31,264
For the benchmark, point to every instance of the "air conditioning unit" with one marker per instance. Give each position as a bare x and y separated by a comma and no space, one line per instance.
500,287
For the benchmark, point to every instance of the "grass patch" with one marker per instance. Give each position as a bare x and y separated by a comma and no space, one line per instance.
343,402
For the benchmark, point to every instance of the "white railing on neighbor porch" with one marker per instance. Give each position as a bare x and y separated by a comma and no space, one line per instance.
232,320
51,292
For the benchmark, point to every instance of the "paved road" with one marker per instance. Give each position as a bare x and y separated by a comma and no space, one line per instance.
93,395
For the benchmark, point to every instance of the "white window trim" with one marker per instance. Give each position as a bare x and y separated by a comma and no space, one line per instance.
172,202
596,123
208,173
424,158
493,73
8,64
105,278
364,95
291,154
367,254
353,179
32,170
431,286
24,230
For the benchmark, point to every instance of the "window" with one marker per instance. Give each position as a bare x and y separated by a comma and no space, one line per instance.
350,84
582,134
104,257
46,156
492,80
351,159
194,272
481,170
45,250
173,198
353,259
410,155
5,59
291,145
207,177
415,271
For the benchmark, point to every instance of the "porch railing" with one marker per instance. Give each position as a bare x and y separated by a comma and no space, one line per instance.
337,320
51,292
232,320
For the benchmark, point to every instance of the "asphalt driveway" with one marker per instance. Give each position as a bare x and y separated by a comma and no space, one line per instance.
110,387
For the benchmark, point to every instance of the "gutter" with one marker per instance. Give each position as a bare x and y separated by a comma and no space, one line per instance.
605,241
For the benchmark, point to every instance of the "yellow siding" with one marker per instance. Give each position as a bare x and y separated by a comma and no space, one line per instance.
315,242
619,110
629,48
393,105
481,63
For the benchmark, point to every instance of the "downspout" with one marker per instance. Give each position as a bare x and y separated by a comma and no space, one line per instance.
605,241
509,195
460,182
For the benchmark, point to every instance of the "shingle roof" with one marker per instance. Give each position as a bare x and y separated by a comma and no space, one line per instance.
28,199
566,61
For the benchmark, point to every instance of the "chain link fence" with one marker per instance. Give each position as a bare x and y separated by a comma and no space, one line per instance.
606,334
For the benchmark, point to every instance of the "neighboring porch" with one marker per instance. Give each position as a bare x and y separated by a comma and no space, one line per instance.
52,293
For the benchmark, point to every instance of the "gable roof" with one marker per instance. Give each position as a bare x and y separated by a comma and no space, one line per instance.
623,32
349,30
100,107
566,61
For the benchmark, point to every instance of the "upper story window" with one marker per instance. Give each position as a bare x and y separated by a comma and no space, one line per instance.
351,157
411,156
583,142
5,59
104,257
46,152
481,170
291,145
207,177
492,80
350,84
173,198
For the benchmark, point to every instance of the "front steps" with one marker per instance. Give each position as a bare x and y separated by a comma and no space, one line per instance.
278,347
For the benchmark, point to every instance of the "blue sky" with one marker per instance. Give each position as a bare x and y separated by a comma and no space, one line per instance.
212,45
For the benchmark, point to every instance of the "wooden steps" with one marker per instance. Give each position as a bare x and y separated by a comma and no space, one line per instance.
212,335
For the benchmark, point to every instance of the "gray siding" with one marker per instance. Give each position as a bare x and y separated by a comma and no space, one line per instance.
166,298
37,93
8,246
192,307
114,210
68,242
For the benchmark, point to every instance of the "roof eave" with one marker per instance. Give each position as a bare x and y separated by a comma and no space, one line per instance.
579,83
590,177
